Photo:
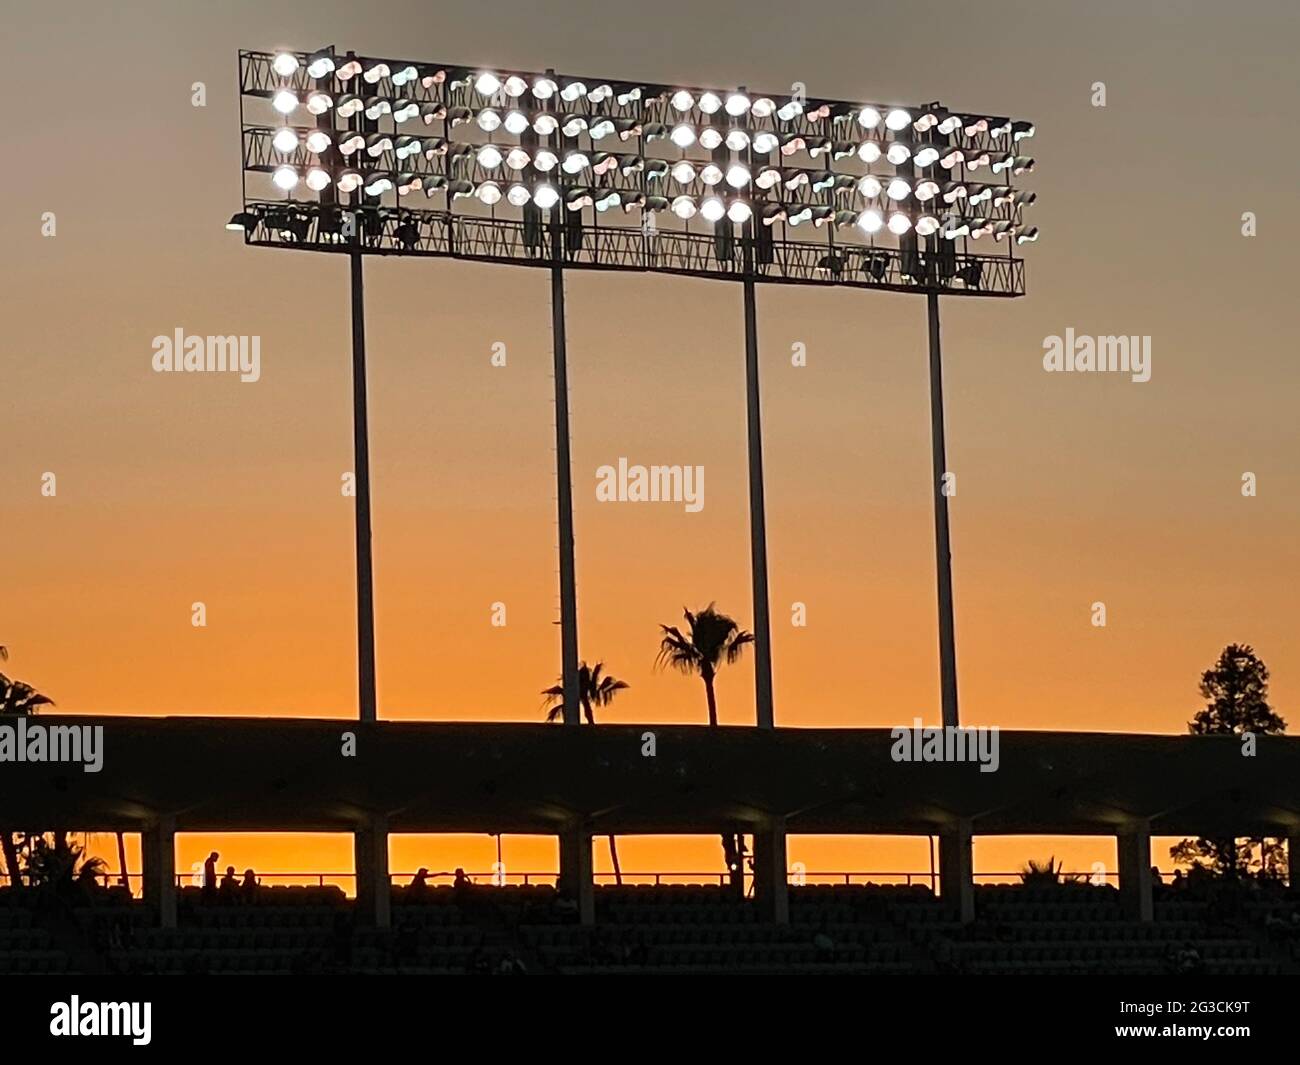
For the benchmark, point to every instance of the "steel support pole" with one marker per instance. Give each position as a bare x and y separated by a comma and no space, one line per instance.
757,510
942,544
564,494
361,459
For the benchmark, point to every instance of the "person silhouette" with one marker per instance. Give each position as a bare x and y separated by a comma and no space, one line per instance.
209,890
229,887
249,886
462,887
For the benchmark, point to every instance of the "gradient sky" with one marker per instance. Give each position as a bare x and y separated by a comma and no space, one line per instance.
1071,488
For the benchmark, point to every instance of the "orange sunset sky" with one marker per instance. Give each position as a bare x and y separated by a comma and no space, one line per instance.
1071,489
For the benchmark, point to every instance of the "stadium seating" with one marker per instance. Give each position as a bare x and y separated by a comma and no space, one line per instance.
861,929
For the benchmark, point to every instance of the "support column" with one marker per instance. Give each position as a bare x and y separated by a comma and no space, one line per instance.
1293,861
158,857
942,540
771,880
757,507
576,881
1133,845
370,859
361,460
957,871
564,489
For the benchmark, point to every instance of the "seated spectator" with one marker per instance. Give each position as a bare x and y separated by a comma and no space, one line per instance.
229,890
419,885
461,886
249,886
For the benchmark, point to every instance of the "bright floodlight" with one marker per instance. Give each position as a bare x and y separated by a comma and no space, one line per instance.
712,209
870,221
285,102
320,64
738,176
285,64
898,119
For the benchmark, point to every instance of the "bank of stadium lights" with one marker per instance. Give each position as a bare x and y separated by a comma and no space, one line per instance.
829,169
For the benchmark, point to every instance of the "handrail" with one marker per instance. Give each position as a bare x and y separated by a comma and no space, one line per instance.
634,879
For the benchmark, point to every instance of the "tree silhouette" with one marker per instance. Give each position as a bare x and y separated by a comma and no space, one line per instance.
1236,690
713,639
16,700
593,690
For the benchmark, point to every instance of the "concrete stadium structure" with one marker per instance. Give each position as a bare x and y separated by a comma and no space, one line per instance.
161,776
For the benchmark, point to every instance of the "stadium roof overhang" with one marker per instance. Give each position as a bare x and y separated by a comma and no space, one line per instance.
260,774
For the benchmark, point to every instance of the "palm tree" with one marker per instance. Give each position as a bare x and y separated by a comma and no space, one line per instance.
714,639
16,700
593,690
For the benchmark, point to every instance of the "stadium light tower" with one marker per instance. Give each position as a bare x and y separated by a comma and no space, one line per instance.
560,171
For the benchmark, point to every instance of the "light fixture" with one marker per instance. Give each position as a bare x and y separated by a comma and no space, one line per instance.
870,221
897,119
285,64
683,135
712,209
320,64
737,104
